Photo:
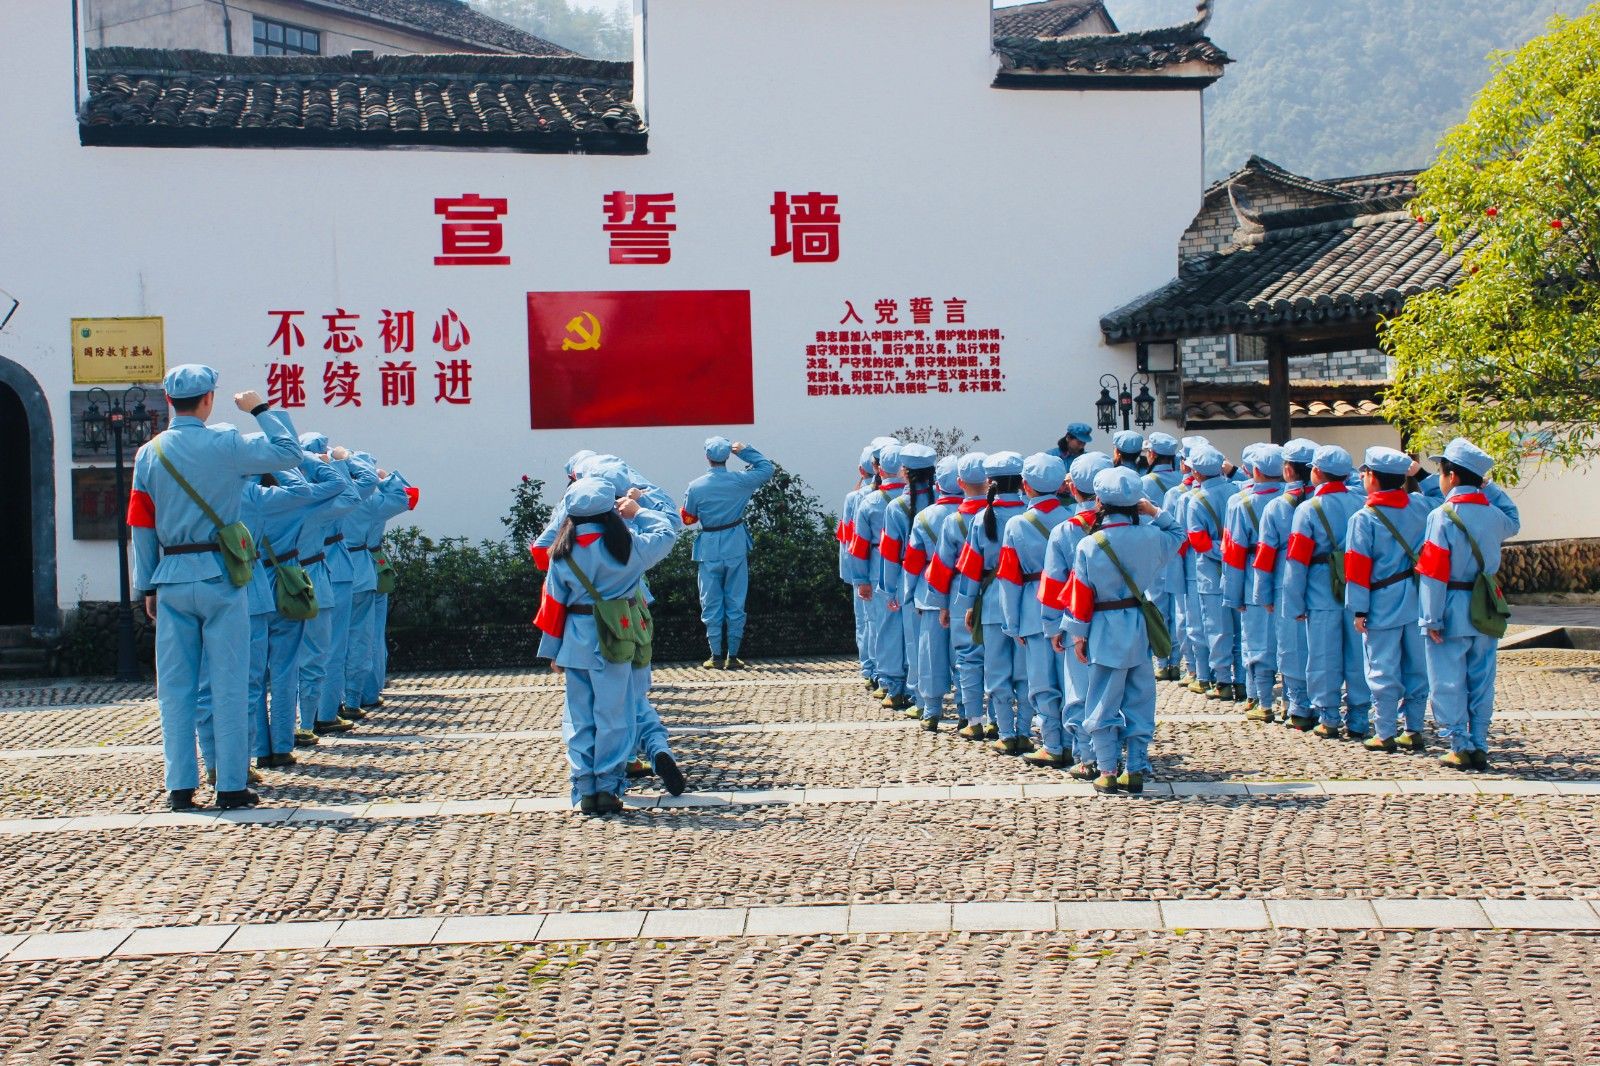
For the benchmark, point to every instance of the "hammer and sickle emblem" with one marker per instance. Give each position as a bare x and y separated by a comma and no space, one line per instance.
581,337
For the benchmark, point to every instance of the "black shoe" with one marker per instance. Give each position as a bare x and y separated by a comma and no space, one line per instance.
607,803
338,725
930,725
266,762
374,705
666,768
181,799
351,714
1480,760
589,805
230,801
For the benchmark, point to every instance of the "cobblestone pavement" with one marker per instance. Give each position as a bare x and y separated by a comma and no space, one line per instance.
975,997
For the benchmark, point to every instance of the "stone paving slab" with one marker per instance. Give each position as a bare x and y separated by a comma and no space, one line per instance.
282,936
87,944
1431,914
385,932
1322,914
1221,996
977,850
182,940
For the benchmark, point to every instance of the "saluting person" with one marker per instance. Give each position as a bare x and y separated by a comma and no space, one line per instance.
716,501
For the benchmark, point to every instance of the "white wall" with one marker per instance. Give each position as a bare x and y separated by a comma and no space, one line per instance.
1043,209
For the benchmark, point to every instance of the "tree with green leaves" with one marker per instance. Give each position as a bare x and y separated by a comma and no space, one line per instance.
1509,355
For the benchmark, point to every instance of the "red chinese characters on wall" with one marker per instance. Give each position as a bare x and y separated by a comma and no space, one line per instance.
912,361
342,377
805,226
471,233
638,226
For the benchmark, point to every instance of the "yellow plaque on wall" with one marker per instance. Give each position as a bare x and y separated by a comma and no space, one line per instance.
115,351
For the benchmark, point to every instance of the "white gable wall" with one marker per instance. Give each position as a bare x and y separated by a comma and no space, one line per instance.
1042,209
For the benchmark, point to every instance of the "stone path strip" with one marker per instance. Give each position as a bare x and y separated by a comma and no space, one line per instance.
826,919
800,797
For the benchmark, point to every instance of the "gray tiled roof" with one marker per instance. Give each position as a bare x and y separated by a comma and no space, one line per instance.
1245,405
1049,18
1341,262
1112,54
561,104
452,20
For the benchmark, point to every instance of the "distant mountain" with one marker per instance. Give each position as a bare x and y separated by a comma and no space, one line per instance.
1336,87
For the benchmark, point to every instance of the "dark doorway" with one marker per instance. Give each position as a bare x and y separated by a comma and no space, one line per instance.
16,511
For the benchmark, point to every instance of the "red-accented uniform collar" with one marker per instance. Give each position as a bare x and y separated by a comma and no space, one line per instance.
890,486
1396,498
1466,495
1046,504
973,504
950,499
1332,488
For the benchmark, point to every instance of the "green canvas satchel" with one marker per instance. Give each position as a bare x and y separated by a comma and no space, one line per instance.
1489,611
1335,554
296,596
238,550
1155,624
624,626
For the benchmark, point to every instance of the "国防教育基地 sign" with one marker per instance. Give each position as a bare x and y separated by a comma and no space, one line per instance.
114,351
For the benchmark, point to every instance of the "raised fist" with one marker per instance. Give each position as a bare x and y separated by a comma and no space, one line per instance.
248,401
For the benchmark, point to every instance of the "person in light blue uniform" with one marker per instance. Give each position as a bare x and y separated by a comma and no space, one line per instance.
976,597
935,648
1161,455
1023,546
1333,648
363,528
1110,569
325,638
1241,536
1067,734
1073,443
1383,542
1268,570
1463,540
1208,503
844,533
271,504
1126,447
179,571
917,462
613,542
1191,621
716,501
866,574
378,668
966,656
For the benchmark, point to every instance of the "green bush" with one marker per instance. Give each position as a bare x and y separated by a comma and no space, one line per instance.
451,583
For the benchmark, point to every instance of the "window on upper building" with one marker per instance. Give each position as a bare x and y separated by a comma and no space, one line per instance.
281,39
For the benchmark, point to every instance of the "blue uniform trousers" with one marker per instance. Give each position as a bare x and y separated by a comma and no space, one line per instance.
933,663
1074,707
969,670
863,612
1045,691
316,644
1121,716
1005,680
378,674
358,660
1397,675
1334,660
598,727
338,653
209,621
1260,640
256,690
1461,674
723,584
889,645
276,720
1237,620
1199,650
1218,621
650,732
1169,611
911,633
1292,664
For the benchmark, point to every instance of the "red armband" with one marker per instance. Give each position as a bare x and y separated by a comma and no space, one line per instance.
939,576
970,563
1301,549
552,616
916,560
1080,599
1053,593
541,557
412,496
1010,568
688,519
1233,553
1200,541
141,510
889,548
1434,562
1266,558
1358,569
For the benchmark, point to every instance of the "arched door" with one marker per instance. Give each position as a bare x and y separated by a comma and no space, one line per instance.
27,504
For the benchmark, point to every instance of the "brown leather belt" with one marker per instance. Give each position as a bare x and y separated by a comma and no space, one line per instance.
332,540
190,549
1460,586
1392,579
580,608
310,559
358,548
1116,605
1030,578
719,529
285,557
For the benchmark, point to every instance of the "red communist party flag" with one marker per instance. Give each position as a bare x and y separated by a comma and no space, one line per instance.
608,359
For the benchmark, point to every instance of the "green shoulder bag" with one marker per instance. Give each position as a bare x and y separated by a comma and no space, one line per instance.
238,550
1155,624
1335,554
1489,611
385,569
624,626
295,594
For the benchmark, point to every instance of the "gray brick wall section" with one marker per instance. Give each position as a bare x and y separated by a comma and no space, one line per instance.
1212,359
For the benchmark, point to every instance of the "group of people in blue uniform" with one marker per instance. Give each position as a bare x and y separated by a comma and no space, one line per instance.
1043,597
215,514
610,527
